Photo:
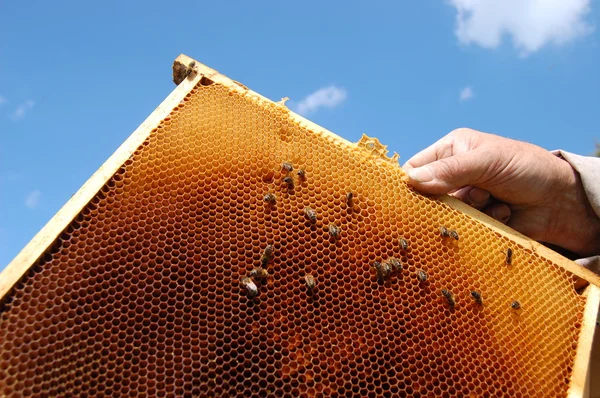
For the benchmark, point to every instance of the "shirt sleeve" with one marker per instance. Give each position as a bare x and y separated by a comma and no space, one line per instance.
589,172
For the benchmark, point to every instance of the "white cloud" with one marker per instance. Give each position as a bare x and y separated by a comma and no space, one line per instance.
3,100
33,199
22,109
532,24
466,93
328,97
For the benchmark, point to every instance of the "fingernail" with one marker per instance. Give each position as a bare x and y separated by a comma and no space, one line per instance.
420,174
478,196
501,213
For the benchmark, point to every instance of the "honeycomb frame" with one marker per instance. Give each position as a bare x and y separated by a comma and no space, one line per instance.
189,75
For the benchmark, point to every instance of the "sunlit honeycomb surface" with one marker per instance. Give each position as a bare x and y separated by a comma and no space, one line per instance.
141,295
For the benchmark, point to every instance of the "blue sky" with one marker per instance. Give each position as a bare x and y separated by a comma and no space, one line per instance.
76,78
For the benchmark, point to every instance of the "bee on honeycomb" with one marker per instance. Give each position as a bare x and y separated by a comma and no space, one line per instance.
444,232
310,214
287,166
289,181
477,297
421,275
258,273
403,244
334,230
453,234
349,199
310,283
515,305
383,270
270,198
267,255
449,297
250,287
301,174
395,264
509,254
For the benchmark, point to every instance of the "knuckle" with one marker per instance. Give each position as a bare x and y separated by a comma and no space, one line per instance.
461,132
448,168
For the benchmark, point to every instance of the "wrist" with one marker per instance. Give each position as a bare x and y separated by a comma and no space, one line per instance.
575,225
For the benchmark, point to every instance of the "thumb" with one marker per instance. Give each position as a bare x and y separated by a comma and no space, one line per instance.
451,173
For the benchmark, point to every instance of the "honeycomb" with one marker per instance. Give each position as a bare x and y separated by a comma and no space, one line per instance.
142,294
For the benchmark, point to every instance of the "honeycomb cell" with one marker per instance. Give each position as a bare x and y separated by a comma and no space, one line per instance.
141,293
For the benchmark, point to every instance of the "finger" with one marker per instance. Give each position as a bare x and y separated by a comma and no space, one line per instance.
499,211
473,196
450,173
591,263
439,150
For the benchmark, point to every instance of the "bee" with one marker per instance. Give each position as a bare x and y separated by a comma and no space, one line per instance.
289,181
421,275
395,264
383,270
453,234
403,244
509,254
270,198
477,297
310,214
190,72
259,273
515,305
267,255
180,72
349,199
334,230
302,174
250,286
287,166
444,232
449,296
310,282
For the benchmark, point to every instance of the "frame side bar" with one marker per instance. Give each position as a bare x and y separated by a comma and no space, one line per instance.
579,376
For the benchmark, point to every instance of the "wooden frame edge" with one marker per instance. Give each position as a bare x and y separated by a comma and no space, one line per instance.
15,270
579,377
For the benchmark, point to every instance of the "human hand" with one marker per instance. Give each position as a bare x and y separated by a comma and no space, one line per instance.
519,184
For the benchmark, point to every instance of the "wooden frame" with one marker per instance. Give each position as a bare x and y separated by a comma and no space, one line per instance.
580,375
188,73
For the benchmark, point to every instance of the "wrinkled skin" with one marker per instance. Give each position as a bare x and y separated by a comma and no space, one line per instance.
519,184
